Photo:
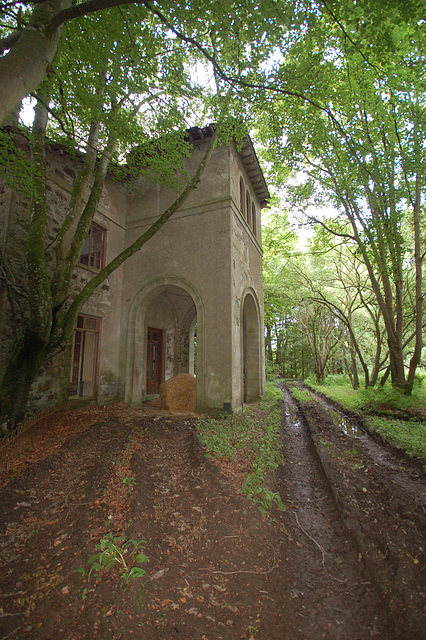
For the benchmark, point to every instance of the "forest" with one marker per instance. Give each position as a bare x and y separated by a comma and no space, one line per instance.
333,95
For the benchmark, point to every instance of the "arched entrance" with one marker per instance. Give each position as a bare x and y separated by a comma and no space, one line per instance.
161,337
251,349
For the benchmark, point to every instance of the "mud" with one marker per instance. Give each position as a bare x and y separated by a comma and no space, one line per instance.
344,560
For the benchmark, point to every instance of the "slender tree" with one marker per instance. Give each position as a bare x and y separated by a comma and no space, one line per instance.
357,140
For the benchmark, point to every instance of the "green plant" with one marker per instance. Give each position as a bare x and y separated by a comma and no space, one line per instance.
272,371
256,432
116,551
301,396
409,435
332,380
264,498
390,404
129,480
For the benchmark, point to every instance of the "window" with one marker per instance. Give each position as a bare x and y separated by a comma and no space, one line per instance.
248,208
85,357
92,254
253,218
242,198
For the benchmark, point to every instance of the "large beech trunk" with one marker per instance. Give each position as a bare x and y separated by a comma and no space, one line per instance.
27,355
25,65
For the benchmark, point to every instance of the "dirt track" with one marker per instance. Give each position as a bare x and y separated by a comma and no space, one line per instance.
217,570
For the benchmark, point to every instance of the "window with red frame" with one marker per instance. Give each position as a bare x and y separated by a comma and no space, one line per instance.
92,254
253,218
84,362
242,197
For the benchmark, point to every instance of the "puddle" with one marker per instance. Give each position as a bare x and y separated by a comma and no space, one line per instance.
342,423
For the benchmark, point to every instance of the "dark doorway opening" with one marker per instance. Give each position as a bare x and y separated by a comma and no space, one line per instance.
85,357
154,360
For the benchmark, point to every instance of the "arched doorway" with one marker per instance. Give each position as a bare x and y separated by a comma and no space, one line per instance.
251,350
161,337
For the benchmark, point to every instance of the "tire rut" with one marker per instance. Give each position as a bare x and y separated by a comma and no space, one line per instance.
330,591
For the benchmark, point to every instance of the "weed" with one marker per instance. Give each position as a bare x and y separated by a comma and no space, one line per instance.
301,396
264,498
255,431
129,480
116,551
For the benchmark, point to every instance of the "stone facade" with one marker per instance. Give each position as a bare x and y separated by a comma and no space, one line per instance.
190,301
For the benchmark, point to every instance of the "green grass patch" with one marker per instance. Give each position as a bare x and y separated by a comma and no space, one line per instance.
409,435
374,399
252,436
300,395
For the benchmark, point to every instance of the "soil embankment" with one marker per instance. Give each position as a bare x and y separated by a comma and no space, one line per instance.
216,569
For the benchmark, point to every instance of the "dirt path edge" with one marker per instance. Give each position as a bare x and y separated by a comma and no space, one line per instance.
396,580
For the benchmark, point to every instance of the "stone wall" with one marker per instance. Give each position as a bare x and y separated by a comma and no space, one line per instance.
198,268
51,387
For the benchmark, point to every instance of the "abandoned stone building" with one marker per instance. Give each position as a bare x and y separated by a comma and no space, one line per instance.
190,301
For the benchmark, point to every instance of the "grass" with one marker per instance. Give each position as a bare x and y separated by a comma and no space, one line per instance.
302,396
406,434
248,445
409,435
372,399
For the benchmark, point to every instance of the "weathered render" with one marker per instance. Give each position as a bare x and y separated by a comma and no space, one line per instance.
190,301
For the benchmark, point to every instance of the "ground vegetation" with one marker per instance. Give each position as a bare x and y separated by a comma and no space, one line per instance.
114,521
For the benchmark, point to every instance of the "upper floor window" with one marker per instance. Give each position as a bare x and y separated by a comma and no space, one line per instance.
92,254
248,208
253,218
242,197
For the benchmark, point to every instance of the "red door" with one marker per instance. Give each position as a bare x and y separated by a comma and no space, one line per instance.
154,360
85,357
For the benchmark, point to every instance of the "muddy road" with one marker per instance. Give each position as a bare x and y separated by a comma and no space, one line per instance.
381,501
332,595
344,561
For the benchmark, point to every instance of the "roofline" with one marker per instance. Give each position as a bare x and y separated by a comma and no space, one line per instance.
247,155
251,164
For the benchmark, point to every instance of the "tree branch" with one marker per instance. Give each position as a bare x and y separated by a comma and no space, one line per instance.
90,287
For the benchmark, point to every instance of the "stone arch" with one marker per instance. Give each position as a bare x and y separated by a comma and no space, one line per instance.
251,347
179,304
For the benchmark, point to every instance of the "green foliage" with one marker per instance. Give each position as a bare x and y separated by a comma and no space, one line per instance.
113,551
273,394
272,371
301,395
374,399
331,380
420,378
255,431
265,499
129,481
15,165
409,435
360,81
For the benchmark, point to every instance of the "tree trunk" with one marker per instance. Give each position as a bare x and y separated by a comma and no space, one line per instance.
27,356
268,342
415,359
25,65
